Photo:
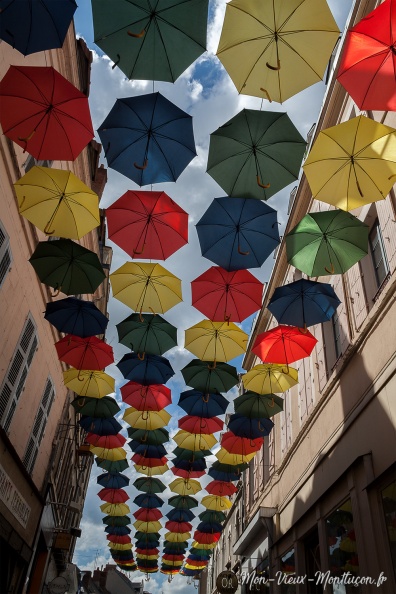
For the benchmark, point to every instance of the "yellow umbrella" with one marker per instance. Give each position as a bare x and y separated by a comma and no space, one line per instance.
177,536
198,545
151,471
115,509
215,341
146,287
57,202
120,547
193,441
148,420
185,486
269,378
94,384
353,163
276,49
147,557
148,527
229,458
216,502
187,566
112,454
172,563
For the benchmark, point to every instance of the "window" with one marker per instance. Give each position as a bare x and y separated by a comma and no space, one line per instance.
342,547
15,377
388,496
335,323
31,162
5,254
288,568
39,424
378,254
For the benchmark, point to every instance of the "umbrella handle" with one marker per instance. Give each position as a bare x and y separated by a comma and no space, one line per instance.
81,379
153,312
57,291
141,166
304,330
141,356
46,230
204,424
261,428
274,67
241,252
331,270
139,251
227,319
262,185
144,439
82,403
141,34
145,412
266,93
211,367
205,398
141,391
141,318
26,139
272,403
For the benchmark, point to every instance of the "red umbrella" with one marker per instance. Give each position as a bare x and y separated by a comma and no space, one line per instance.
168,557
240,445
84,353
146,514
221,488
146,551
195,563
284,344
119,539
152,397
113,495
147,225
106,441
187,474
148,462
206,537
368,63
199,425
43,113
178,526
230,296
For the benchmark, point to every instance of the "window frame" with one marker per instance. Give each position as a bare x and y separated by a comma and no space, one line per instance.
38,428
5,254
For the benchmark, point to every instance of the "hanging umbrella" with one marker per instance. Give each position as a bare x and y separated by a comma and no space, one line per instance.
148,139
151,470
120,547
228,468
277,50
116,521
148,462
168,557
142,551
205,377
67,266
146,514
94,384
304,303
147,334
113,495
283,344
147,420
216,503
148,527
187,474
147,557
212,516
112,454
147,537
250,428
154,437
189,466
220,488
189,455
147,225
117,530
193,442
112,481
99,408
112,466
352,164
234,444
151,369
256,154
206,538
118,538
108,426
202,405
105,441
177,536
149,451
45,114
328,242
211,527
226,296
185,487
180,515
238,234
270,377
226,458
368,62
149,500
115,509
178,526
84,353
75,316
256,406
215,341
149,485
152,397
220,475
183,501
196,424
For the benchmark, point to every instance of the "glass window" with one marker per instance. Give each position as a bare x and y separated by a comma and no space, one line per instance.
337,334
388,496
378,254
342,548
288,569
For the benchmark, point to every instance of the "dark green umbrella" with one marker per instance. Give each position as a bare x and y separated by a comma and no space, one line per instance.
149,437
212,516
116,520
67,266
183,454
328,242
147,536
183,502
256,154
257,406
206,377
151,41
99,408
149,485
112,466
147,333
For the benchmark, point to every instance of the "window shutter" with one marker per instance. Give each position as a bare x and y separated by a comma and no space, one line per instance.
39,425
358,298
387,223
5,254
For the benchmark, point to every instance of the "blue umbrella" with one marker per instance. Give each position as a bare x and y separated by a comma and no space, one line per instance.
148,451
100,426
198,557
210,527
190,466
152,369
180,515
249,428
304,303
112,481
202,405
238,234
35,26
145,544
118,530
75,316
148,139
149,500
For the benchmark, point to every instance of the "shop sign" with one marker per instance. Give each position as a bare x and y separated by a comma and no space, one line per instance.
12,499
58,586
227,582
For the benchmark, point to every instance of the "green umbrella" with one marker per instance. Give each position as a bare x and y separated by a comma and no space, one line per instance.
183,501
67,266
256,154
212,516
149,485
147,333
206,377
116,520
328,242
149,437
151,41
112,466
147,536
99,408
258,406
184,454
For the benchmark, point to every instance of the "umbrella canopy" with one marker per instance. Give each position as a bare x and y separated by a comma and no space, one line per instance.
148,462
148,139
180,515
149,451
112,481
117,530
118,538
151,470
368,63
226,296
112,466
146,419
185,487
189,455
142,551
59,204
178,526
183,501
249,428
196,424
146,287
119,546
113,495
188,466
211,527
98,408
147,334
108,426
303,303
212,516
77,317
234,444
67,266
328,242
152,397
105,441
216,503
202,405
221,488
149,485
150,369
146,514
256,154
94,384
221,475
84,353
256,406
283,344
193,442
276,50
148,527
270,377
149,500
113,454
187,474
215,341
226,458
352,164
205,377
154,437
116,521
238,234
147,225
115,509
177,536
206,537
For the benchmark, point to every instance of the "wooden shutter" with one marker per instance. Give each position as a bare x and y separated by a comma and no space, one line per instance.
386,219
39,425
5,254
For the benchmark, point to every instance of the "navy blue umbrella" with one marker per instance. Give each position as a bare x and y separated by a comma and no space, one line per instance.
180,515
210,527
145,544
75,316
189,455
118,530
35,26
238,234
202,405
148,139
100,426
113,481
149,500
152,369
198,557
250,428
304,303
190,466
